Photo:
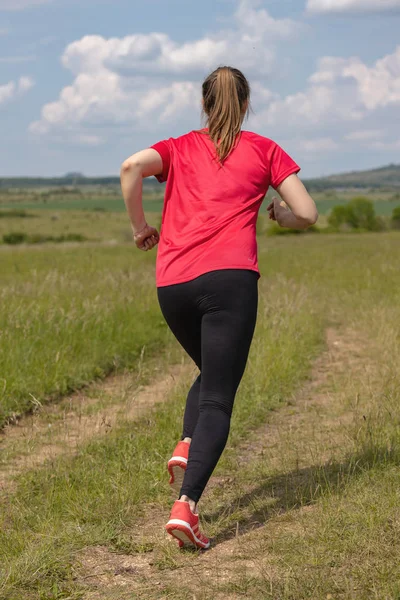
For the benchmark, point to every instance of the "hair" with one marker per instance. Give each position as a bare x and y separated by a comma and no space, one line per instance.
226,101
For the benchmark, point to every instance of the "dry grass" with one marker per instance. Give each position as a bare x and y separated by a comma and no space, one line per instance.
60,429
304,503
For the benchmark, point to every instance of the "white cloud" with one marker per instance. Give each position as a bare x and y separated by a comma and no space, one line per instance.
7,91
13,89
340,6
25,84
365,135
142,81
318,145
340,91
347,104
20,4
385,146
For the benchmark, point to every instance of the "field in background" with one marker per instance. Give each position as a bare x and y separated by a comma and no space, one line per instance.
101,217
110,200
328,528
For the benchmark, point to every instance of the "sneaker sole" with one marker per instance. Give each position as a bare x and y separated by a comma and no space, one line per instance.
184,533
178,473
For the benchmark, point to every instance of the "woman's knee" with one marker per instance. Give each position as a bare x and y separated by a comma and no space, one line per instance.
216,402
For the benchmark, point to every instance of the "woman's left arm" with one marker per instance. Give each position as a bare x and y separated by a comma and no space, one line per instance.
142,164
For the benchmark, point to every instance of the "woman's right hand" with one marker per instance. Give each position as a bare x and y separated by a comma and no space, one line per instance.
147,239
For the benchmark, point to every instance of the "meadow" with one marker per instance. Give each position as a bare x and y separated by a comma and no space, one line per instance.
304,503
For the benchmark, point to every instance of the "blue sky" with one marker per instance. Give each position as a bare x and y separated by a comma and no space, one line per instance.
85,83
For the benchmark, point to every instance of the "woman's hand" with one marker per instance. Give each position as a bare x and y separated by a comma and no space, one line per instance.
147,238
277,208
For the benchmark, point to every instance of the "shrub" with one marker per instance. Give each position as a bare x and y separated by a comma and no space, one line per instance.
338,216
70,237
14,238
359,214
38,238
395,221
15,213
275,229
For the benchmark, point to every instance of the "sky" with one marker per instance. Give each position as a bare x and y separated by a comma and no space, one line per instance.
86,83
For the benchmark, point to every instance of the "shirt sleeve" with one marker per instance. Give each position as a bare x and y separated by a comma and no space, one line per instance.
163,150
282,165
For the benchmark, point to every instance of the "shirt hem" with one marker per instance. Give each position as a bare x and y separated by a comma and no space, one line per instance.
188,278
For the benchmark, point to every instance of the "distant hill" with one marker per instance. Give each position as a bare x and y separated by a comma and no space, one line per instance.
383,177
70,180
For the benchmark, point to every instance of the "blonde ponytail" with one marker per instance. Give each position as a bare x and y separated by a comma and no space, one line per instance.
226,96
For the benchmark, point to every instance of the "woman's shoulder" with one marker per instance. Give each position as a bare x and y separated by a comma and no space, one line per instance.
257,138
186,137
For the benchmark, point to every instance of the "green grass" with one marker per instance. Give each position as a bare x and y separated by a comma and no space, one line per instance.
153,202
95,226
96,497
69,316
111,200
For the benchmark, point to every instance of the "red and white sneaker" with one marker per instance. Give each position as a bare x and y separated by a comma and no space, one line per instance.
184,526
177,465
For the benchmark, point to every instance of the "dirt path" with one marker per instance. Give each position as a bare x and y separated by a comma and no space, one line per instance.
311,431
60,428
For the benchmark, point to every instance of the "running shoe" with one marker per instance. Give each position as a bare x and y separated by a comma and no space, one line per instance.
184,526
177,465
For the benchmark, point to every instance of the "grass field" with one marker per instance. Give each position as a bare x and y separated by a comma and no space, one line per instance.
304,503
111,201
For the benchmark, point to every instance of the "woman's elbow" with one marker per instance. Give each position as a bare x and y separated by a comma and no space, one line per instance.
308,218
129,165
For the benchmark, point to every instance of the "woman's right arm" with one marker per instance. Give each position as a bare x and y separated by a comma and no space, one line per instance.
303,212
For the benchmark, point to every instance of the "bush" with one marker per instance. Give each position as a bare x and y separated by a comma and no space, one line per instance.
338,216
38,238
359,214
70,237
15,213
14,238
275,229
395,221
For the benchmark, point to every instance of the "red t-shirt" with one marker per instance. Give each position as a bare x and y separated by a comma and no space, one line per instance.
210,211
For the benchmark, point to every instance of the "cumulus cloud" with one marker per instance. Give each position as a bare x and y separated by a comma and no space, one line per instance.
20,4
344,98
324,144
146,83
7,91
25,84
13,89
145,80
365,135
343,6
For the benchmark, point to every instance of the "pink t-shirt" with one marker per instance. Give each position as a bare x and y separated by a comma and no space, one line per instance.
210,211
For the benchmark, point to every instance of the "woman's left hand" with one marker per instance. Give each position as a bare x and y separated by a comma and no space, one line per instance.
147,239
276,209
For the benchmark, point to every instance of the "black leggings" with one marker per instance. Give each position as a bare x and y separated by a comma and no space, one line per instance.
213,317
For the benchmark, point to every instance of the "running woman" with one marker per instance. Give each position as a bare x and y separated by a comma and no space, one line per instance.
207,271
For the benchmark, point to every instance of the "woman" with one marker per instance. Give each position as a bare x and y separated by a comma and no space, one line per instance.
207,272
